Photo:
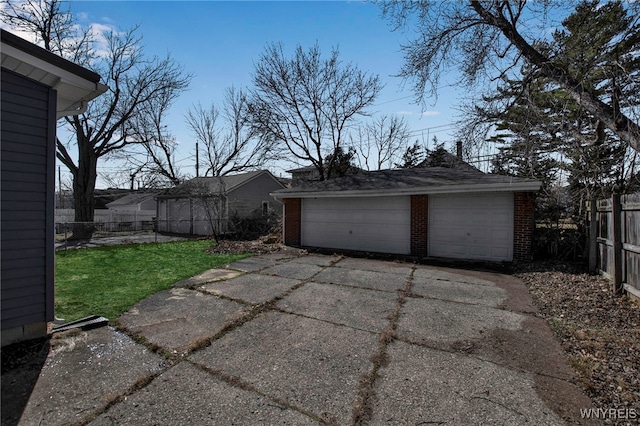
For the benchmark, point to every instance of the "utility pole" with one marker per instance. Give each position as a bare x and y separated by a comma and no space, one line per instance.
60,188
197,162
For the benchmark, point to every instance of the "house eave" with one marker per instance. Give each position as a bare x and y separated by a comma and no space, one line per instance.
75,86
529,186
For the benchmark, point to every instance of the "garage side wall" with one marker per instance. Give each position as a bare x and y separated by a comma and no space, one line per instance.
26,198
292,220
419,224
523,225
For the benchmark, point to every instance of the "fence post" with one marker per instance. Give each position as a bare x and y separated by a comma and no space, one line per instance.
593,236
617,242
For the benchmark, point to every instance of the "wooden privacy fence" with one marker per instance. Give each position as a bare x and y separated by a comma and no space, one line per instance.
614,241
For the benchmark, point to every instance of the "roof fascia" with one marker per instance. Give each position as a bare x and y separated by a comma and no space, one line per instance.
531,186
66,74
262,172
34,51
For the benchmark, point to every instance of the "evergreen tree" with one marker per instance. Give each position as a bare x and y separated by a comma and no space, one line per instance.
340,163
412,157
544,132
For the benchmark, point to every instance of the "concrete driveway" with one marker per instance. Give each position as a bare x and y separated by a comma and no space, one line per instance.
309,339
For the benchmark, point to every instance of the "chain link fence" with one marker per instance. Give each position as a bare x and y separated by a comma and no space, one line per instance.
95,234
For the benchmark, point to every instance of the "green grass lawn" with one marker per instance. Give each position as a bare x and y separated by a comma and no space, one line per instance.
109,280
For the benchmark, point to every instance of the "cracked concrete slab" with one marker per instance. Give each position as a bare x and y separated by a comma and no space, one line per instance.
375,265
316,260
363,309
287,254
84,371
178,320
424,272
454,357
365,279
252,264
212,275
307,363
203,400
253,288
432,321
299,271
426,386
460,292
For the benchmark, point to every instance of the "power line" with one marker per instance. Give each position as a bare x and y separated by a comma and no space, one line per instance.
393,100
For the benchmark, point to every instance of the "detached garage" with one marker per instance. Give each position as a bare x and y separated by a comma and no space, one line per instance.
435,212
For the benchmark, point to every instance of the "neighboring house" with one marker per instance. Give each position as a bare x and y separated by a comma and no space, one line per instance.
435,212
440,157
311,174
203,204
37,88
136,201
304,174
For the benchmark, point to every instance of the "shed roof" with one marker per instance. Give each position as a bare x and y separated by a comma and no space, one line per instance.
303,169
213,185
131,199
430,180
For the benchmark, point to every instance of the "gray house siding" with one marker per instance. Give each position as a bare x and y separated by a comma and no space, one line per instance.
27,197
246,200
189,216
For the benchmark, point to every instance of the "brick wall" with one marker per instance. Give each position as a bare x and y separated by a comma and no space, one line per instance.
419,224
523,225
292,221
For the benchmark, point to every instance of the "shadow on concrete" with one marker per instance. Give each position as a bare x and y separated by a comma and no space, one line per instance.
21,366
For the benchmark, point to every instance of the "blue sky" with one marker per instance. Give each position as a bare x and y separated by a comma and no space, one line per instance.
219,42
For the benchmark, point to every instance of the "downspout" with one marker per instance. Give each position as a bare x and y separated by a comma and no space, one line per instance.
77,111
83,104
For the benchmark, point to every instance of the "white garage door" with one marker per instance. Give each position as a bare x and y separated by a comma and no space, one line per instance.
471,226
377,224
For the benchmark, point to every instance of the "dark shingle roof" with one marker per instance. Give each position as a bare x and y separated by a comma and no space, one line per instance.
210,185
417,180
131,199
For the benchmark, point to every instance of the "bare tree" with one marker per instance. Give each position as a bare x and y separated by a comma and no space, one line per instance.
53,25
492,37
134,80
233,146
308,103
383,141
150,130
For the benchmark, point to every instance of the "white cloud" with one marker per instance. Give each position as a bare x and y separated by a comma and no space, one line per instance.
404,113
99,33
430,113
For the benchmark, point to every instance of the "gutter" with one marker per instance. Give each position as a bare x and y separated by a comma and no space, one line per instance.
83,104
444,189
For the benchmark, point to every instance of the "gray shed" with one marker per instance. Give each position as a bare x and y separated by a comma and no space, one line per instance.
199,204
38,87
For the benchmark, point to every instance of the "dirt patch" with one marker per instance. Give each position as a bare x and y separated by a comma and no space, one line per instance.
599,331
263,245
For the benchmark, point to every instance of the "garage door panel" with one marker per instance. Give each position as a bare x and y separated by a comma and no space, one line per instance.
471,226
380,224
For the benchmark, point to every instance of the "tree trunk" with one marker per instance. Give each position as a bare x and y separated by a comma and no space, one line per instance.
84,183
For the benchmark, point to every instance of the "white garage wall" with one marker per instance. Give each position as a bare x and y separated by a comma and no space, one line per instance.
376,224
